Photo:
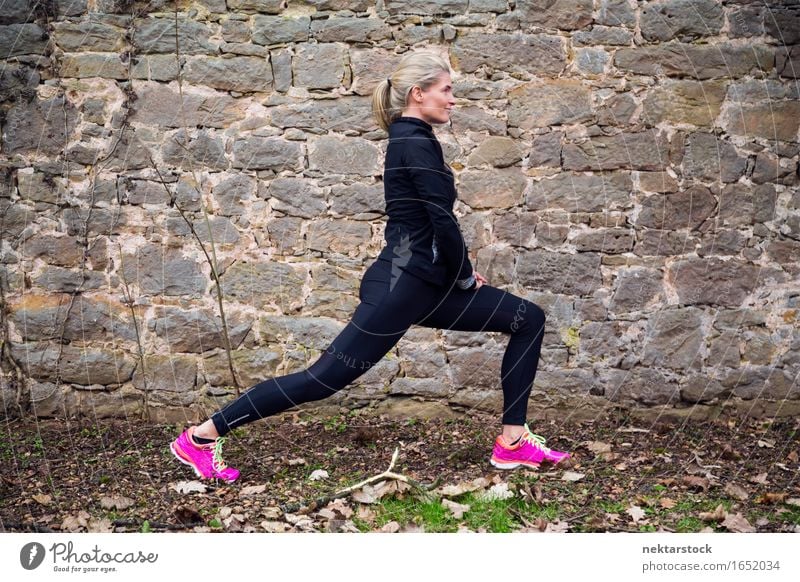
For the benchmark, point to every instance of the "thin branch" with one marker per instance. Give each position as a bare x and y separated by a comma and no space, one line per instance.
387,474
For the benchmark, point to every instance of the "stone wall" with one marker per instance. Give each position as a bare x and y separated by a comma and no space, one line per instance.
630,166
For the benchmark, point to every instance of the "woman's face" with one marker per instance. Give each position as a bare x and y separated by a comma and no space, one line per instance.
438,101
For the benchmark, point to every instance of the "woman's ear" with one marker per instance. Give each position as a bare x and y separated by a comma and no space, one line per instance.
416,93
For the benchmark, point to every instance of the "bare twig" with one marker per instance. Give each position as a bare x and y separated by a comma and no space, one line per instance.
387,474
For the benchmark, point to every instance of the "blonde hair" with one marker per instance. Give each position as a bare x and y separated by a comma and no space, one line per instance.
420,68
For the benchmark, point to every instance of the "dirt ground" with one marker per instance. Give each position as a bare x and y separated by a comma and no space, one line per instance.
731,475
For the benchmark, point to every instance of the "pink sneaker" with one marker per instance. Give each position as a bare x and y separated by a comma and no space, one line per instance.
529,451
206,460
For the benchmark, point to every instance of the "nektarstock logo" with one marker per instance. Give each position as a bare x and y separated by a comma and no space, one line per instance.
31,555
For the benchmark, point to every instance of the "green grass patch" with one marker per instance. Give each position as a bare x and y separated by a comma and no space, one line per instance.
490,515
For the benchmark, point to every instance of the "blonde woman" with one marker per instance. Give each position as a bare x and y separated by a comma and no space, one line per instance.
423,276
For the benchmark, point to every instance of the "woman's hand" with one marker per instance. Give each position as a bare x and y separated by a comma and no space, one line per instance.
479,280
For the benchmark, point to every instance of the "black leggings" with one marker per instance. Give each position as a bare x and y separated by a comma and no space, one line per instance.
390,304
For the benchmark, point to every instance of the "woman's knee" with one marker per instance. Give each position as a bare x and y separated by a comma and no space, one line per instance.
528,317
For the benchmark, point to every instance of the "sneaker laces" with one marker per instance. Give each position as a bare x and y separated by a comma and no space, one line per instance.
216,460
536,440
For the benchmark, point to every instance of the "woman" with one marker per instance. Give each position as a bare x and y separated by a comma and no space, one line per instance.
423,276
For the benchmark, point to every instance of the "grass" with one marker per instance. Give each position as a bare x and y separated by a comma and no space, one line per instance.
493,516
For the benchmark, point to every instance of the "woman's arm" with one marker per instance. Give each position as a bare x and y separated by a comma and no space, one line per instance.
434,186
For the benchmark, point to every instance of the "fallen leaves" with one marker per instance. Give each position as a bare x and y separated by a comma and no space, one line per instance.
185,487
696,483
318,475
637,513
719,514
738,524
252,490
457,509
117,502
497,491
465,487
572,476
736,491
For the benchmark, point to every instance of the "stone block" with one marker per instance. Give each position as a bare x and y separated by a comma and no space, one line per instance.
644,150
538,54
320,66
687,209
160,105
681,19
155,270
77,365
262,153
637,289
353,155
242,74
571,274
270,30
575,192
295,197
197,331
676,59
264,285
497,188
713,281
547,103
673,339
692,102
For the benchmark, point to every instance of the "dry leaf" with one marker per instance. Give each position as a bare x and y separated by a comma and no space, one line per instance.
318,475
760,479
42,499
612,517
271,513
365,514
557,527
793,501
597,447
572,476
326,513
457,509
116,501
188,487
792,456
636,513
466,487
100,526
341,507
252,490
696,482
737,491
75,523
298,461
772,498
717,515
737,523
667,503
499,491
766,443
274,526
366,494
391,527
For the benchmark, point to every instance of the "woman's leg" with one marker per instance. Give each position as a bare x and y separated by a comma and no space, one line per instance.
491,309
387,309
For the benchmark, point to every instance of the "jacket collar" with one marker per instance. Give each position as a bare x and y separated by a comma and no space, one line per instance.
416,121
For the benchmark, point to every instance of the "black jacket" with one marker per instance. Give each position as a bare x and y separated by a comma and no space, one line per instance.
422,233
